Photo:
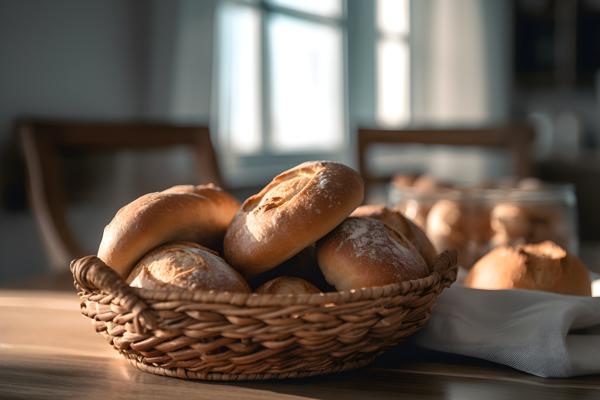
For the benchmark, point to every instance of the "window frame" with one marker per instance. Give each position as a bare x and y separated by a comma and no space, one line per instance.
244,169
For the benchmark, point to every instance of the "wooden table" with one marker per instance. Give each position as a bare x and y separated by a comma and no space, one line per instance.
48,350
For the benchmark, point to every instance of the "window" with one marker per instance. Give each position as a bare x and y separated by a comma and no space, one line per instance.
281,77
393,62
282,89
240,105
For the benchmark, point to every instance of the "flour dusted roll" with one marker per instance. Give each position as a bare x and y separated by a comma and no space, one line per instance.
364,252
287,285
188,266
461,224
398,221
296,209
544,266
158,218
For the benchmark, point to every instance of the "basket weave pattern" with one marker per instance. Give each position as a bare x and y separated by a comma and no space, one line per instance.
236,336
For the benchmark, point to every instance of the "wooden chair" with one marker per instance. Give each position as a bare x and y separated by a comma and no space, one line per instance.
515,138
45,142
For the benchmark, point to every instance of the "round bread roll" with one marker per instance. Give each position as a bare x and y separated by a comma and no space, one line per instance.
364,252
543,266
287,285
446,225
510,220
400,223
185,265
296,209
162,217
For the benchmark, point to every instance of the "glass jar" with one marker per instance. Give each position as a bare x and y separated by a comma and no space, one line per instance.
475,220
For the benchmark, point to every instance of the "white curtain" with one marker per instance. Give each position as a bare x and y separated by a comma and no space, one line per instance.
461,76
460,61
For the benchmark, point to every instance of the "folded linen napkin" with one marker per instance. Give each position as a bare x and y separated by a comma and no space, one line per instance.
545,334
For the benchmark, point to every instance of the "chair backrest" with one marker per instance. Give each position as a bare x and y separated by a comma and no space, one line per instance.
44,142
517,139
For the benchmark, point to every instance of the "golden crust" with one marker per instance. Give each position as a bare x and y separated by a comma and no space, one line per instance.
296,209
544,266
396,220
510,220
464,227
162,217
185,265
364,252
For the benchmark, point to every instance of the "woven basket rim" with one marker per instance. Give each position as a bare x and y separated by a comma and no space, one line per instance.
444,268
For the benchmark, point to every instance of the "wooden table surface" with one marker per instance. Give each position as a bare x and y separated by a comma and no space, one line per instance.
48,350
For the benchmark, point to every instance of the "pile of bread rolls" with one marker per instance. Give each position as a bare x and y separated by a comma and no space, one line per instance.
474,220
302,233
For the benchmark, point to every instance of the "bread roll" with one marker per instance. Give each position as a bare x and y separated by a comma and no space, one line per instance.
399,222
158,218
287,285
529,223
446,227
364,252
543,266
297,208
185,265
510,223
460,225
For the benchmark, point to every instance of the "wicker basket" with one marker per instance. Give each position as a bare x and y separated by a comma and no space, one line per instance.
235,336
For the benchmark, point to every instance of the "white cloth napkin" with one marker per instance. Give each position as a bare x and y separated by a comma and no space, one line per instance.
545,334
